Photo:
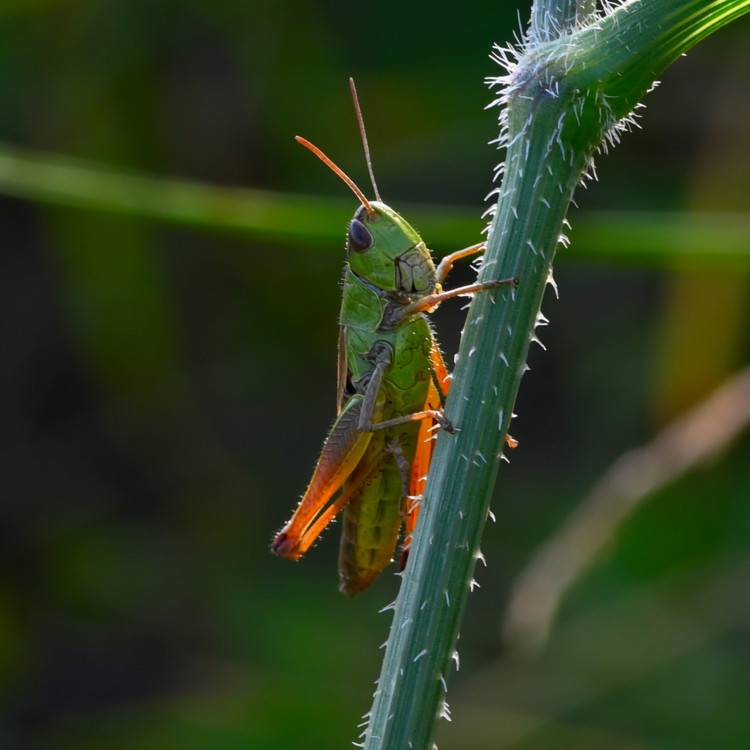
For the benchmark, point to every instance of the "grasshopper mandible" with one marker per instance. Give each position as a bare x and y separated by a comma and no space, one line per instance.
392,383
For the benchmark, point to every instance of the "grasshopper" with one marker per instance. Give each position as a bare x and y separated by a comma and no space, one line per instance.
392,383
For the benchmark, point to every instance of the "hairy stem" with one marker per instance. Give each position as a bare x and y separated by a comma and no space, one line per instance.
563,96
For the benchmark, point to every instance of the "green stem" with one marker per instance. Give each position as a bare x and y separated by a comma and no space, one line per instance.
563,99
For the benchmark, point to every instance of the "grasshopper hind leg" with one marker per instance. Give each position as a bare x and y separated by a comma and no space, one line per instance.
394,447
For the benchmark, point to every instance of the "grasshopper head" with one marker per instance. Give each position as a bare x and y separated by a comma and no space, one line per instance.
385,250
382,248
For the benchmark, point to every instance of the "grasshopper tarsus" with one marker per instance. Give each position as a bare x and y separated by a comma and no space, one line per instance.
447,425
511,280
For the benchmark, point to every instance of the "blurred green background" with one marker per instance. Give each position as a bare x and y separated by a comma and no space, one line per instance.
165,389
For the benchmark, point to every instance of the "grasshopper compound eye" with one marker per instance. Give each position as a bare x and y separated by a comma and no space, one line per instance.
360,238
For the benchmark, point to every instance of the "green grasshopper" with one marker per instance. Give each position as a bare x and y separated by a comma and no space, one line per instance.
392,383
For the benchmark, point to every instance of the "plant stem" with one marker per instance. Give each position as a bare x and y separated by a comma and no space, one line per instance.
564,97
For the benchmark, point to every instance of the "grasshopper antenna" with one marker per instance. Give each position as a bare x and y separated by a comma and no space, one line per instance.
364,138
340,172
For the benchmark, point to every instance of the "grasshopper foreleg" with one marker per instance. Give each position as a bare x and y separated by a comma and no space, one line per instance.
430,301
445,265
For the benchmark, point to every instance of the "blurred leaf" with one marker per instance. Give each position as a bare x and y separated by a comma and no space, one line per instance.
708,240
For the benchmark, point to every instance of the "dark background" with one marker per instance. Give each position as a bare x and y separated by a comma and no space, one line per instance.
164,392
